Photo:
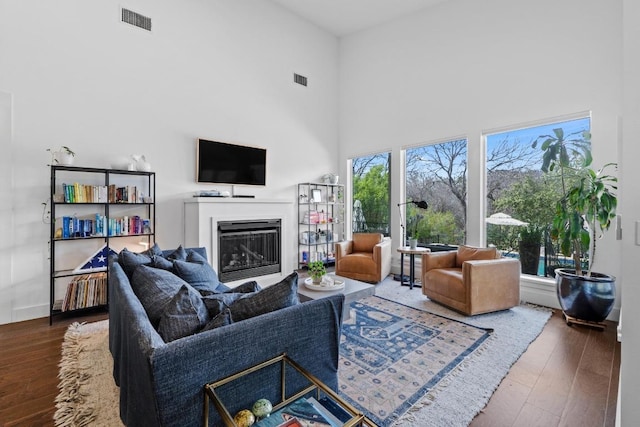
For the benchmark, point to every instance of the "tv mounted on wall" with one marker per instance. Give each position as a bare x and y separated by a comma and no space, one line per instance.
223,163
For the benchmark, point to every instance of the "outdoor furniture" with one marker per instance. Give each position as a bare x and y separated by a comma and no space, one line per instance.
471,280
366,257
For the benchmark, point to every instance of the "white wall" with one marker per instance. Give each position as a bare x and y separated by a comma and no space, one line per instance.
464,67
630,210
218,69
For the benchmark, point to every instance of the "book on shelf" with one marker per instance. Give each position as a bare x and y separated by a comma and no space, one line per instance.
72,227
84,193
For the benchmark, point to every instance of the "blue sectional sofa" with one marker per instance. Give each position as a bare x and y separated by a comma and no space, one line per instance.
161,383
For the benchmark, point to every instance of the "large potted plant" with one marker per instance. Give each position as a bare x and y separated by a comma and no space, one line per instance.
582,214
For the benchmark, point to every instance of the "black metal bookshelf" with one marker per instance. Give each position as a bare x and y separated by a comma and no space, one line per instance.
107,209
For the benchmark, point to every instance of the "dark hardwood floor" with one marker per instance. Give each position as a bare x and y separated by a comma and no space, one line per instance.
568,377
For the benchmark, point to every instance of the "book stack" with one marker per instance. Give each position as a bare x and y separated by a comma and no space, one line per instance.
74,227
128,225
81,193
87,290
126,194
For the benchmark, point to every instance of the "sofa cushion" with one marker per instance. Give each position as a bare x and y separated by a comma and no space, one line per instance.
364,242
280,295
185,314
468,253
155,288
196,271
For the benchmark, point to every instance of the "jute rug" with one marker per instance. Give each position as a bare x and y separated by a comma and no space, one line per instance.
88,395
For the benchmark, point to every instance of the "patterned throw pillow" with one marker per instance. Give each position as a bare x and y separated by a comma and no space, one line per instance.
184,315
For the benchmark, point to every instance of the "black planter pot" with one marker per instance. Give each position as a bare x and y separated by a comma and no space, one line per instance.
585,298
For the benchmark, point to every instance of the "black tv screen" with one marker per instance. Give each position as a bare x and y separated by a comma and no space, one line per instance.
222,163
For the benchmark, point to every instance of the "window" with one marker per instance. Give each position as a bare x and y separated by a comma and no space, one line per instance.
371,187
437,174
521,198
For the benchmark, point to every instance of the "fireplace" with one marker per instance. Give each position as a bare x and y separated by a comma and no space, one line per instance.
248,248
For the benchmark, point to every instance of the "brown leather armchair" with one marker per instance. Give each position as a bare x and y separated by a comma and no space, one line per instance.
367,257
471,280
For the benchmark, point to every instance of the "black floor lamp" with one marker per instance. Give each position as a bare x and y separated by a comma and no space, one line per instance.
422,205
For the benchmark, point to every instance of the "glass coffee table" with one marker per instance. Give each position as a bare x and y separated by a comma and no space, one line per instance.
352,290
306,402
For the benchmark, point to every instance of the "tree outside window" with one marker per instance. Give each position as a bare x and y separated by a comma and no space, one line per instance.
517,187
437,174
371,194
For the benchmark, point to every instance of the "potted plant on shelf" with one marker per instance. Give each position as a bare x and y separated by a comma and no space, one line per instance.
63,156
583,213
316,271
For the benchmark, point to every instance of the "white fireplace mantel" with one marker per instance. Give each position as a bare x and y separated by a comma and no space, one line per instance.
201,216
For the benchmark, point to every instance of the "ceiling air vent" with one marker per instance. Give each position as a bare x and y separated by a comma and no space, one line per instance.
301,80
134,18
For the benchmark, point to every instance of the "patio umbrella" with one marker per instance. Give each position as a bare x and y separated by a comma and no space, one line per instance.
504,219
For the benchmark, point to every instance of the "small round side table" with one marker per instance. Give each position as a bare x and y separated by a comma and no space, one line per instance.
412,268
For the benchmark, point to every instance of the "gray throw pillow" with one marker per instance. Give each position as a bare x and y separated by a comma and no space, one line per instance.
155,288
131,260
179,253
245,288
158,261
217,302
282,294
222,319
154,250
196,271
184,315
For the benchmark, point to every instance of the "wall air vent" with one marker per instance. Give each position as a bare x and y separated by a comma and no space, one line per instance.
301,80
135,19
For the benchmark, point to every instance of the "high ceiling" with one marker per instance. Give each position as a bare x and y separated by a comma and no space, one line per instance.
342,17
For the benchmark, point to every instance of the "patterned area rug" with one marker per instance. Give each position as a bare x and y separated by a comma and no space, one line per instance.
392,355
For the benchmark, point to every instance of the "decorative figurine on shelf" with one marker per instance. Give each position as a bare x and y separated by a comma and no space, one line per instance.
262,408
139,163
316,271
244,418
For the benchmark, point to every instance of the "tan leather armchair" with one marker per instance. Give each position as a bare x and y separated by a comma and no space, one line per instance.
471,280
367,257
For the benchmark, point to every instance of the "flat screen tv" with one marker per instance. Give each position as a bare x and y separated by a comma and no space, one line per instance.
223,163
